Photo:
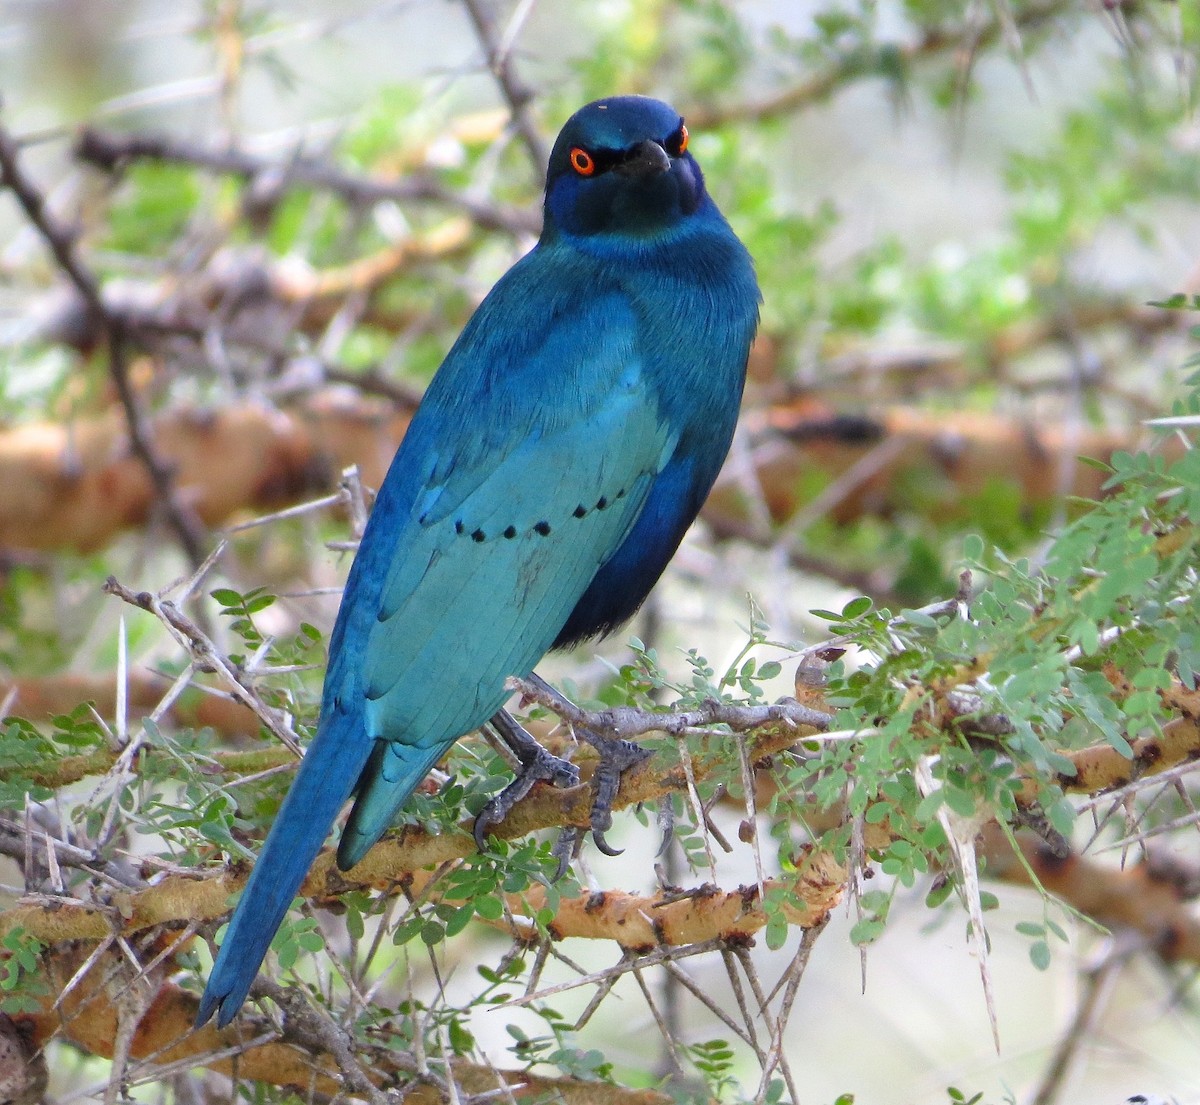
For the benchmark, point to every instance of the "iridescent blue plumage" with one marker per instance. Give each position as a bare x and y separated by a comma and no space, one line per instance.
561,452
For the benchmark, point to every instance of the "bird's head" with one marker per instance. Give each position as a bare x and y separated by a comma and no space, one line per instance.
620,167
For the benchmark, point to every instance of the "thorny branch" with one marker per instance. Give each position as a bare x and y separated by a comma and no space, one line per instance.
206,656
28,844
964,41
627,722
311,1028
111,151
32,201
1130,898
517,94
306,1053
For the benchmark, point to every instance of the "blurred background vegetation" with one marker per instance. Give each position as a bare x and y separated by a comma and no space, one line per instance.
266,224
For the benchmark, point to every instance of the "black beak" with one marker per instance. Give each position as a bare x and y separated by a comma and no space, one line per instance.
646,159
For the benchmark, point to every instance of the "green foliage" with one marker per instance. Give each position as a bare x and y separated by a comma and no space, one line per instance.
20,973
152,209
559,1048
1058,604
1039,950
960,1098
26,750
714,1059
295,938
240,609
477,888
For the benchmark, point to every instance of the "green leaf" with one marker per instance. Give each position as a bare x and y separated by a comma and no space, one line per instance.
776,930
1039,954
490,908
866,930
856,608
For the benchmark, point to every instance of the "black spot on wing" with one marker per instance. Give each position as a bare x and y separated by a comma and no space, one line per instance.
543,528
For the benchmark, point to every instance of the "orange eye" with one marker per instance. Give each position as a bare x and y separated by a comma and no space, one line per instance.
582,161
683,139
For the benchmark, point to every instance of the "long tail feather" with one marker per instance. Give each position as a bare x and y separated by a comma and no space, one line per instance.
326,777
393,773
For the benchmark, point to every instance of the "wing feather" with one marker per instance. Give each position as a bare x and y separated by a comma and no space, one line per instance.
492,536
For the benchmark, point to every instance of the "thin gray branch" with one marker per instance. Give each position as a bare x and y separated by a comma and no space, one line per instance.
517,94
110,152
62,246
627,722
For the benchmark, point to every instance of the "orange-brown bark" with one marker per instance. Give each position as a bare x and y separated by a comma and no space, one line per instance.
950,456
87,1017
176,899
76,485
1135,898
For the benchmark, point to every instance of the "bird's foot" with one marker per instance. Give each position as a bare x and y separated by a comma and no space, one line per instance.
566,848
616,757
536,766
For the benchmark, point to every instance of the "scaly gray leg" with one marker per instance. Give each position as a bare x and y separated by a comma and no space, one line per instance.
537,765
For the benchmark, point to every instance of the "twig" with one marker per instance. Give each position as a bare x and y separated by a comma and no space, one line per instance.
628,721
623,965
12,844
111,151
854,65
1098,982
205,655
60,242
312,1028
790,980
744,1032
517,94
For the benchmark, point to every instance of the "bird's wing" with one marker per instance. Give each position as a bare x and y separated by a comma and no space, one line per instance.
483,583
481,586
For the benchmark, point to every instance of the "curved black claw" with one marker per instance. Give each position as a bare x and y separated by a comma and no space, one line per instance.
537,766
565,849
666,823
616,757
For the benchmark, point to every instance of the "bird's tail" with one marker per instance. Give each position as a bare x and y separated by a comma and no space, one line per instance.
326,777
393,772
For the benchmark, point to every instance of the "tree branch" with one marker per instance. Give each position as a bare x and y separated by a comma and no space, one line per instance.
257,1050
175,899
109,151
29,197
518,95
965,41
